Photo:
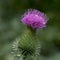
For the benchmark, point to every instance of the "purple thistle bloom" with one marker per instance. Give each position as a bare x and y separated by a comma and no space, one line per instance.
34,19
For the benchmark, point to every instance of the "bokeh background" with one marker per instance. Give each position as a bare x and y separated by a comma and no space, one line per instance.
12,28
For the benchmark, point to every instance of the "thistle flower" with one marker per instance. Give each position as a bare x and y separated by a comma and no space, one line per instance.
34,19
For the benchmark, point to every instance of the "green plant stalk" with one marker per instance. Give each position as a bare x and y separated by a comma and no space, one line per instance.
28,44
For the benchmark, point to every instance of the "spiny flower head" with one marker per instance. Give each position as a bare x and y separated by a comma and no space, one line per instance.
34,19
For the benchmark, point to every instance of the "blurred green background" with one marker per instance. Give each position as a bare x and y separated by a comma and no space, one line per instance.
12,28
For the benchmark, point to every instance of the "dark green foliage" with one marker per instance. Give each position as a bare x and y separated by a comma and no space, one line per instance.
11,28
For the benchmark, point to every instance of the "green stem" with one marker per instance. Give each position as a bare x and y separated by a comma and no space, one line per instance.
28,44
